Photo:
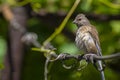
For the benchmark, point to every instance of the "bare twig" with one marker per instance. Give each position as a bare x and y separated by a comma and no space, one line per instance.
80,57
113,56
46,69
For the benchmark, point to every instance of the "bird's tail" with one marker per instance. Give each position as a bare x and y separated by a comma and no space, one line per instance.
100,68
100,64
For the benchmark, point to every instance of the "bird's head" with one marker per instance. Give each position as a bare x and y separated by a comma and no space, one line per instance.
81,20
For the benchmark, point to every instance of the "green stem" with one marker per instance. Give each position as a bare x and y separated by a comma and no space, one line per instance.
42,49
109,4
22,3
62,25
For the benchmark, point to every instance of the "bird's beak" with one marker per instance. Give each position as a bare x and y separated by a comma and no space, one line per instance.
74,22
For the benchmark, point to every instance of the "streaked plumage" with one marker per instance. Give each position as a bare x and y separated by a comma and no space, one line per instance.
84,39
87,39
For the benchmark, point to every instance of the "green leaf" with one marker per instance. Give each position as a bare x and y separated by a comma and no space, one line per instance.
68,48
3,49
115,26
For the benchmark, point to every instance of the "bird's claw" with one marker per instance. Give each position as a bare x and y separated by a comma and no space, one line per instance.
89,57
60,57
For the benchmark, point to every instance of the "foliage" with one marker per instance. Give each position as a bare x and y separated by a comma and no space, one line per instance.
2,52
109,33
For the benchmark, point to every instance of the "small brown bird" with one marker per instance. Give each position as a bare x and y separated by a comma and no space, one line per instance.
87,40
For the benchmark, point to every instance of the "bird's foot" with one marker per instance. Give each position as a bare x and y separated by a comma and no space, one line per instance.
89,57
62,57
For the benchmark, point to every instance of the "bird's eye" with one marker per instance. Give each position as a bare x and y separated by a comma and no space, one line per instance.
79,19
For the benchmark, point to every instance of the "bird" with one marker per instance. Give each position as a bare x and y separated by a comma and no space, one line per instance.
87,40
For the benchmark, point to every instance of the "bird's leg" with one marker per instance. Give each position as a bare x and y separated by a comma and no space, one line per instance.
89,57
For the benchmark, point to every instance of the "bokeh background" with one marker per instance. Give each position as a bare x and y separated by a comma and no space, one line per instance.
43,17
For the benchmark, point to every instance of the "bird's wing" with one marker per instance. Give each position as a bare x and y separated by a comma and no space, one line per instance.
99,49
92,40
93,32
89,43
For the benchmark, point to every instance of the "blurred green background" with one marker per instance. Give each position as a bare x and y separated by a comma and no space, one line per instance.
46,15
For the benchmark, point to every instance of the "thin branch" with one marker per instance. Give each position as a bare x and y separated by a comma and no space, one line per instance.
46,69
61,27
113,56
95,57
65,56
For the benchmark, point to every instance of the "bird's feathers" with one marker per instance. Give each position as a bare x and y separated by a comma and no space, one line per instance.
87,40
86,37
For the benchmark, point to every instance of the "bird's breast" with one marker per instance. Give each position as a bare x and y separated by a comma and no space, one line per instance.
78,40
84,41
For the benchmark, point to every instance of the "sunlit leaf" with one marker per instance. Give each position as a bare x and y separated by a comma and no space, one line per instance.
115,26
68,48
